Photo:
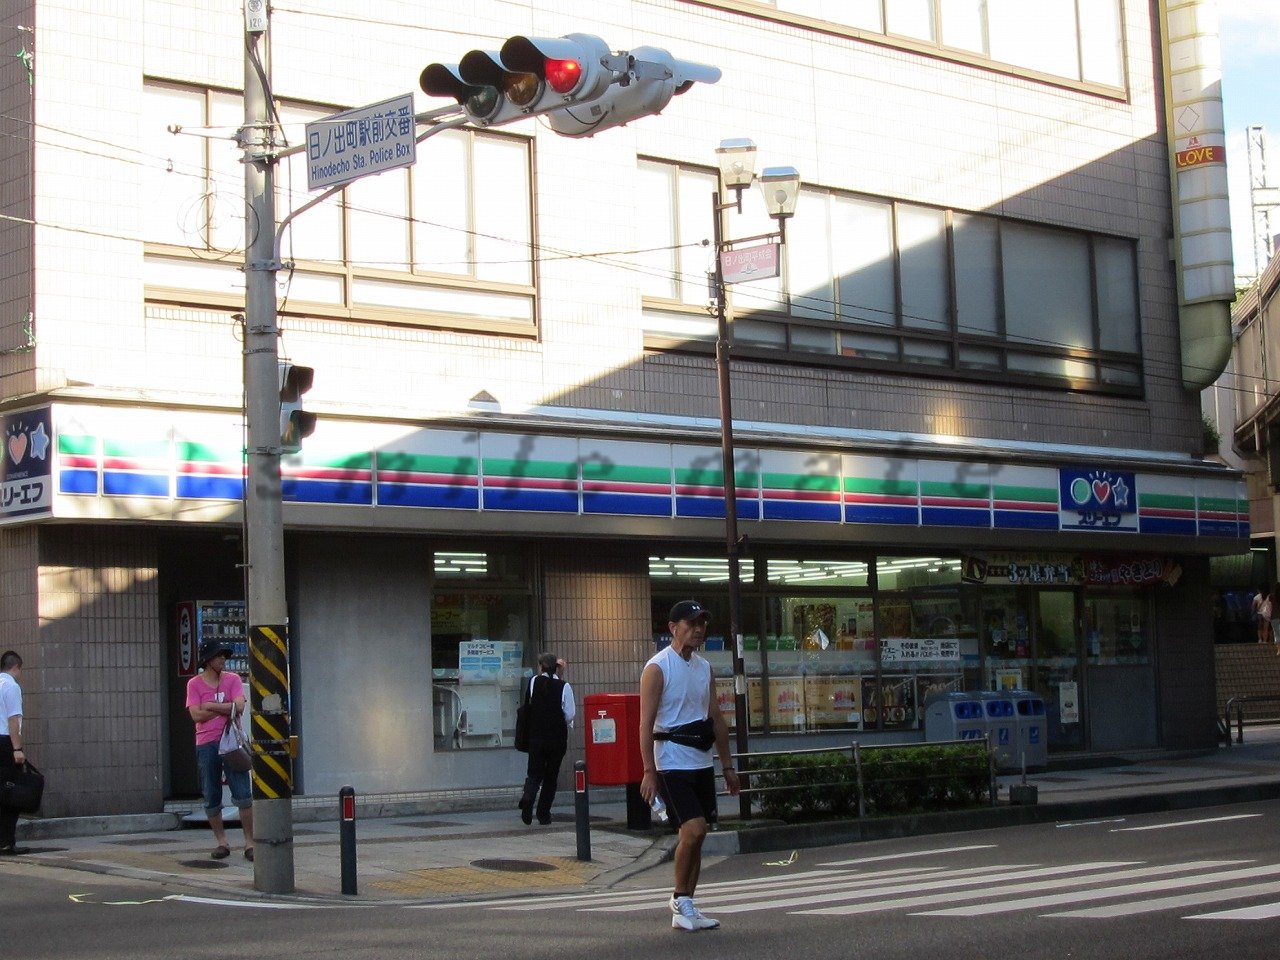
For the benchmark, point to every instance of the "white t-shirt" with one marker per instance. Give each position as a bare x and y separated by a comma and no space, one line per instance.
10,702
686,698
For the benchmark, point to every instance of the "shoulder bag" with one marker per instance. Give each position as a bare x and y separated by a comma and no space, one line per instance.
233,748
22,788
522,722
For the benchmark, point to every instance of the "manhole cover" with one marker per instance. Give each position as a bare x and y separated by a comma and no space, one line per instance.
513,866
203,864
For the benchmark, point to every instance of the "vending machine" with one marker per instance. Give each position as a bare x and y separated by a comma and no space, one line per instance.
201,620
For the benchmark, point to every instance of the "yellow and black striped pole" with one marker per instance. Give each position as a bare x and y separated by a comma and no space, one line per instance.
269,697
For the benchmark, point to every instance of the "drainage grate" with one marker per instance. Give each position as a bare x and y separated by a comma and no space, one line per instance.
204,864
431,824
140,841
513,866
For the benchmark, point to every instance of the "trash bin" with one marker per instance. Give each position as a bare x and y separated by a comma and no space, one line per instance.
953,715
612,740
1033,730
1002,727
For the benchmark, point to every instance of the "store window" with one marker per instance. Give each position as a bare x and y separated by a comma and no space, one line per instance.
448,241
481,647
1116,628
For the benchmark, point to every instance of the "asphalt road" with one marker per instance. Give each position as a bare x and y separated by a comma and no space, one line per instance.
1196,883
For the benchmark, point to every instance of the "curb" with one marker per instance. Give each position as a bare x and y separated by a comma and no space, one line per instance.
62,828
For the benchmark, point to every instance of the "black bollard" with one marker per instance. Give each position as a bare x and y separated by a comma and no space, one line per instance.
347,838
581,810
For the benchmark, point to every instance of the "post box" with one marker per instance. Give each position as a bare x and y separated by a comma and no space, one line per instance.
612,738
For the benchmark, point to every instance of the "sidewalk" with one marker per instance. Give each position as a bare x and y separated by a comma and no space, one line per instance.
441,856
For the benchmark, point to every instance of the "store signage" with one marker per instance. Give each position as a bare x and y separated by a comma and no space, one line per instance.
928,648
1098,499
750,263
1069,702
186,639
26,467
1068,570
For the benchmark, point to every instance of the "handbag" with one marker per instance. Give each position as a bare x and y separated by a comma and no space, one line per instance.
22,789
233,748
522,723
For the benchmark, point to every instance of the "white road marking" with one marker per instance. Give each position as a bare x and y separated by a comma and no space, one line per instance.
1189,823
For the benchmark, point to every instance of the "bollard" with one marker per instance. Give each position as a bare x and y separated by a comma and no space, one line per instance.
347,838
581,810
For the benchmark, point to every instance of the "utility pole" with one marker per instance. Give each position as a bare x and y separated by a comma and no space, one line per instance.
264,523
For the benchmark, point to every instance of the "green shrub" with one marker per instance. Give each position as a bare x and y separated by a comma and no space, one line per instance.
909,778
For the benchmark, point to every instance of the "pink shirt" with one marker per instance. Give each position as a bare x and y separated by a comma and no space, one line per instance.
230,688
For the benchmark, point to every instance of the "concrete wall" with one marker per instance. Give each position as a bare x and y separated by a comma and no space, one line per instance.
1184,624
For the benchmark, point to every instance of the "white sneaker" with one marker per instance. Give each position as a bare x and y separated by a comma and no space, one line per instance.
685,916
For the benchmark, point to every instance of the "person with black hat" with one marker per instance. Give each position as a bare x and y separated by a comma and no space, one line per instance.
215,698
680,721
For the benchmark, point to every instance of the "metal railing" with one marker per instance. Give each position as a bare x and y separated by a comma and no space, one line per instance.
1238,703
856,752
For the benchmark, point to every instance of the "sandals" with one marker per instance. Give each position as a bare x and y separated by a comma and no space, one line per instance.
248,854
220,852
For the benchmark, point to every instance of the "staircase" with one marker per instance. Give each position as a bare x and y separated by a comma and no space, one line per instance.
1248,670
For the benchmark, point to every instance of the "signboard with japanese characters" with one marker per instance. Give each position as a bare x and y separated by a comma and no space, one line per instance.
26,467
355,143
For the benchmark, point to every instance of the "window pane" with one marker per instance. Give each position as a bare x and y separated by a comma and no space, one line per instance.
441,242
864,14
226,214
174,181
1123,376
376,215
1117,295
979,358
656,230
922,250
909,18
1100,41
1046,279
808,253
759,332
926,351
869,346
1052,366
977,272
862,254
813,340
504,236
1040,36
694,226
316,234
964,24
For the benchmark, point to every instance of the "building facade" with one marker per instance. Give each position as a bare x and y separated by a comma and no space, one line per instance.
966,413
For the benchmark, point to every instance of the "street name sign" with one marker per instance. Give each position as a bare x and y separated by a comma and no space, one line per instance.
356,143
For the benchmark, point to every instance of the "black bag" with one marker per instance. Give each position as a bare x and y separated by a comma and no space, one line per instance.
522,722
22,789
700,734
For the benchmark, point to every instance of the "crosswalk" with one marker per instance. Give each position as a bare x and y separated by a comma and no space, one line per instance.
934,883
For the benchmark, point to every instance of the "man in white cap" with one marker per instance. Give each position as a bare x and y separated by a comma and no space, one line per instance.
680,720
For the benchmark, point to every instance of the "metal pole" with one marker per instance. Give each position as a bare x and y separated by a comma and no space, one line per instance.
581,810
347,838
264,525
730,511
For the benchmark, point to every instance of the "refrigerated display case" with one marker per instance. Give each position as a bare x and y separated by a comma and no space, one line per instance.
223,620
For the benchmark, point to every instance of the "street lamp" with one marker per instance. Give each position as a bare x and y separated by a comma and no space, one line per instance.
781,188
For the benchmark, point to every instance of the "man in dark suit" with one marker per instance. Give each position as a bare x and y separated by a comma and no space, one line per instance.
551,711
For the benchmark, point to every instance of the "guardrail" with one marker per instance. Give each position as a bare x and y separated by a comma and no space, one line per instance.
856,752
1238,703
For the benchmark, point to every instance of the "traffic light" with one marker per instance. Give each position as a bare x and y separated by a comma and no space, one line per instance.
295,423
575,80
529,76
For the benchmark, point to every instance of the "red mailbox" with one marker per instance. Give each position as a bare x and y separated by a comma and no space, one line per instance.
613,738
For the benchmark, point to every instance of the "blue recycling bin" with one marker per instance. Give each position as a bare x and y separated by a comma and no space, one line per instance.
1002,727
953,715
1033,730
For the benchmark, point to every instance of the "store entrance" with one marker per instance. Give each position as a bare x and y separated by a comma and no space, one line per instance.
1057,668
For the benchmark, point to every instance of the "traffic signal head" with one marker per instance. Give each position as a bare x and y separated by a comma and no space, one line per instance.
575,80
295,423
528,77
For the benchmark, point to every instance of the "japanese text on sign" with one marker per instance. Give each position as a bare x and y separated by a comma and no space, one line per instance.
366,140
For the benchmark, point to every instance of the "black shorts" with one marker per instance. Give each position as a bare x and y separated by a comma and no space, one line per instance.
689,794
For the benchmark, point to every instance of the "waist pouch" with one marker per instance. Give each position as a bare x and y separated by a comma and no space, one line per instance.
700,734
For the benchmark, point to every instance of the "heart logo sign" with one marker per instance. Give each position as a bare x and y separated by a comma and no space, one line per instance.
1101,490
17,447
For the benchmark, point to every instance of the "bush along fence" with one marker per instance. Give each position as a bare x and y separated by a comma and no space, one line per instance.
869,781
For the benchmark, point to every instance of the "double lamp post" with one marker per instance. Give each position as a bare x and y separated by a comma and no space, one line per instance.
781,189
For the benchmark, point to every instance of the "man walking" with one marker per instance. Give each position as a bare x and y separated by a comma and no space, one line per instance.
680,720
551,711
12,755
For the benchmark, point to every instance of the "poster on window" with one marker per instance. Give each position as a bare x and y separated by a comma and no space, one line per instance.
1068,702
833,701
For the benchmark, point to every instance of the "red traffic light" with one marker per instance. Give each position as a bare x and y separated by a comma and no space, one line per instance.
563,76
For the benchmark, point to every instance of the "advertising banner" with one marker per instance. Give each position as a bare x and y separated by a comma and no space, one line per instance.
26,466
